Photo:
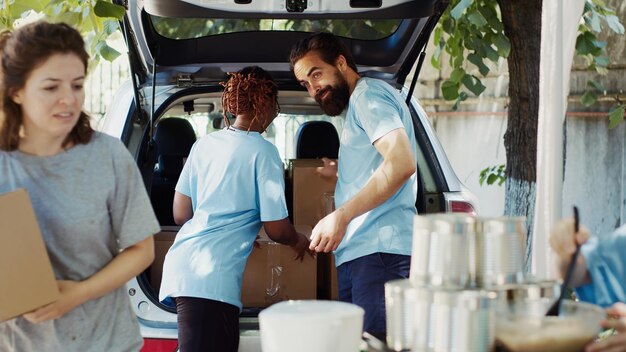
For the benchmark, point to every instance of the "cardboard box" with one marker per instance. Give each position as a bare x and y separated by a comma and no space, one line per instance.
311,193
162,243
313,198
272,275
27,281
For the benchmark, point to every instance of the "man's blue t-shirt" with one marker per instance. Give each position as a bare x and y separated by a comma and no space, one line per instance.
375,109
235,181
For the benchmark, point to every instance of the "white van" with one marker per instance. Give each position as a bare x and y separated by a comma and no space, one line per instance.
180,50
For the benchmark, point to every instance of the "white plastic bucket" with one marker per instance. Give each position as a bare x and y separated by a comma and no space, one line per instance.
311,326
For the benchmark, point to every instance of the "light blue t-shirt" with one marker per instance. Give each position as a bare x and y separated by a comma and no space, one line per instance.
606,263
375,109
235,181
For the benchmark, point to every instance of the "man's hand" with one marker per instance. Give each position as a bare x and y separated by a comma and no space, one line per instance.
617,342
329,231
329,170
72,295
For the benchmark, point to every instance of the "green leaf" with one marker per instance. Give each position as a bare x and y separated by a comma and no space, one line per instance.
616,115
596,85
491,53
473,84
107,9
594,22
448,25
477,45
24,5
17,11
601,61
454,50
478,62
491,15
462,97
71,18
458,10
585,43
35,5
457,74
477,19
96,23
435,60
458,61
492,175
614,24
110,27
438,34
55,8
503,45
450,90
589,98
602,70
107,52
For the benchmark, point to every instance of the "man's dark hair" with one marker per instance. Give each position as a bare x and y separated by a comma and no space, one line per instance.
326,45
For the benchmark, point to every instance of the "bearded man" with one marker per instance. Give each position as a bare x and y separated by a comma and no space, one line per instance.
370,232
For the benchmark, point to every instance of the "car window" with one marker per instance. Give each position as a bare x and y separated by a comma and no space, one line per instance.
282,132
187,28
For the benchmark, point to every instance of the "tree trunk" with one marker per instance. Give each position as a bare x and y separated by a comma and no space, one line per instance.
522,25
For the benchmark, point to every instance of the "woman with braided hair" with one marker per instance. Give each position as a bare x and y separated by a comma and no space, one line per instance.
231,184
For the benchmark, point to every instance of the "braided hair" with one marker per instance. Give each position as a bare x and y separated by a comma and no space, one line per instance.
251,90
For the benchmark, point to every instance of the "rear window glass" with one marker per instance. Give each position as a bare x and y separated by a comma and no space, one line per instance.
187,28
282,132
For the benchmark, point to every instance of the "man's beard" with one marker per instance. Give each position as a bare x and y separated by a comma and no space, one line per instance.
337,99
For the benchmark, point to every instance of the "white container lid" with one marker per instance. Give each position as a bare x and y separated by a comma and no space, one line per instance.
311,326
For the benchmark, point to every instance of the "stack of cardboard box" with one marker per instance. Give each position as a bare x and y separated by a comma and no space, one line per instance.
271,274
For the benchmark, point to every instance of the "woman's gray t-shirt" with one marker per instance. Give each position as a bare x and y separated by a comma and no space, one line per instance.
90,203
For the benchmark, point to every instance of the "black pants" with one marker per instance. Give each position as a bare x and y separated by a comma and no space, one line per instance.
207,326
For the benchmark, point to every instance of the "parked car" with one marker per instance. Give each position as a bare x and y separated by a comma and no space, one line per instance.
179,51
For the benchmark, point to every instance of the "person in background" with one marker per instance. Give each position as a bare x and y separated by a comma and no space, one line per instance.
371,229
231,185
599,276
87,193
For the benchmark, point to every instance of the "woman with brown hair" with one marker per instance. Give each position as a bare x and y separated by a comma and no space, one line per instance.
230,186
92,207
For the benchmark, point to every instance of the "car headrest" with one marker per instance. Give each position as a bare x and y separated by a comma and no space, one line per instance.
170,166
316,139
174,136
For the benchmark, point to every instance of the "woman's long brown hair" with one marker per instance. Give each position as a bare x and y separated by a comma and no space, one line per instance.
23,50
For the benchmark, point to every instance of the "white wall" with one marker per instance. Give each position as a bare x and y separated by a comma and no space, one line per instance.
473,143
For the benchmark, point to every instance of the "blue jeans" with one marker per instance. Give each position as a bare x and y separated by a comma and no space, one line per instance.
362,281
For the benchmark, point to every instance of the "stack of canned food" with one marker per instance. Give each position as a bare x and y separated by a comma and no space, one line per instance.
463,271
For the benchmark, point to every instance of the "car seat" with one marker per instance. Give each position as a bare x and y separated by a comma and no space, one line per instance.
174,138
317,139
